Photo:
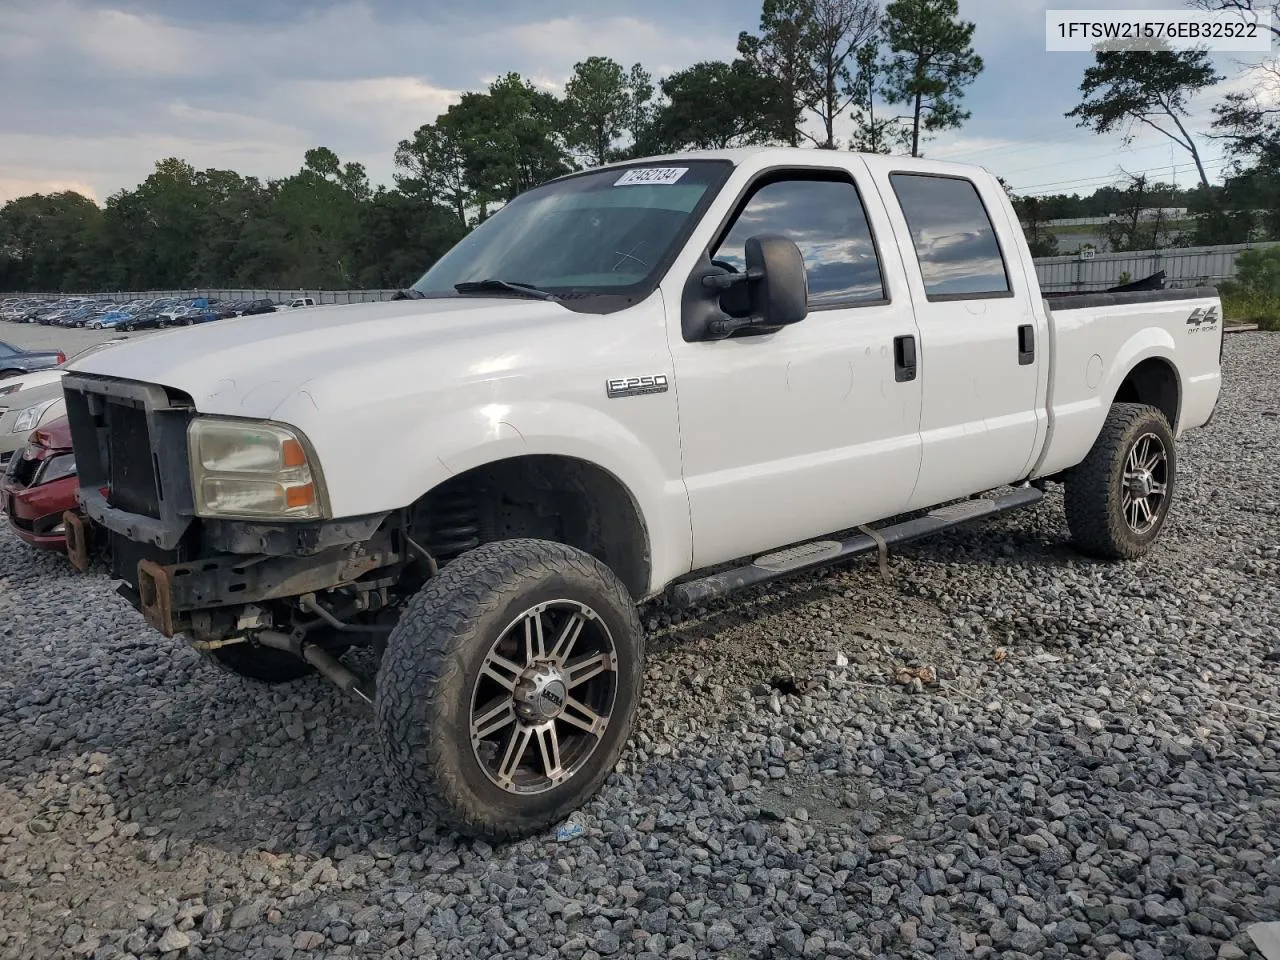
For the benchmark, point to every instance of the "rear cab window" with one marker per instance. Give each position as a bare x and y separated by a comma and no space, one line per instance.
955,242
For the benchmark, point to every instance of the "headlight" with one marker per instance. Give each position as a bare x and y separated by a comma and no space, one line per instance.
56,468
251,470
29,418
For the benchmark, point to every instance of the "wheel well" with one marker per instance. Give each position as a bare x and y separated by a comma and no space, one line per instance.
555,498
1154,382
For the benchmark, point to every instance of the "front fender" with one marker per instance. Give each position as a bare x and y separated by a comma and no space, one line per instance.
407,455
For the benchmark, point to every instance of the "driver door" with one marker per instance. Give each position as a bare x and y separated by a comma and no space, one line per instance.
812,428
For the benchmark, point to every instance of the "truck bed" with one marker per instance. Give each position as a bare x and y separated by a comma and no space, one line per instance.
1097,341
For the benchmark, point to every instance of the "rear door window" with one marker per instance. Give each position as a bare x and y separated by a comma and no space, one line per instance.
954,239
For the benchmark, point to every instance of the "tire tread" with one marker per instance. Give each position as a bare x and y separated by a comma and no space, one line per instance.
442,619
1096,526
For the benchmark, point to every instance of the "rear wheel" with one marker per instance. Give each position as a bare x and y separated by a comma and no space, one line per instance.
1118,499
509,686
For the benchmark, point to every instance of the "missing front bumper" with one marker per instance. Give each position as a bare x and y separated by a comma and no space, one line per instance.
171,595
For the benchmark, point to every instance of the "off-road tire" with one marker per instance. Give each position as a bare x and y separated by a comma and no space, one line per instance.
429,669
262,664
1095,489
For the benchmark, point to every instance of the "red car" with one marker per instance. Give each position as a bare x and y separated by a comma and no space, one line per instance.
39,485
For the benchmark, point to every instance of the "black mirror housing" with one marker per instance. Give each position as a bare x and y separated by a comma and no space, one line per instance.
779,284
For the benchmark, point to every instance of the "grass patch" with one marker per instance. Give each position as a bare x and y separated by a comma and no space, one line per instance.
1248,306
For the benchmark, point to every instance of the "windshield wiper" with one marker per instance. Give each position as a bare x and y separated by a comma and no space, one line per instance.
489,286
409,294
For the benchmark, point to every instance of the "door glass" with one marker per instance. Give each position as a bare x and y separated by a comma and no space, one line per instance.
826,220
953,236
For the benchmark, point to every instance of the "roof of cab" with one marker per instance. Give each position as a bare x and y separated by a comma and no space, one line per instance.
738,155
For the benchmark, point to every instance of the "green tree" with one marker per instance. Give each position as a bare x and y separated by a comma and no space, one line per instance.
47,242
713,105
1151,88
603,106
932,61
784,51
1040,239
401,235
509,137
435,167
873,134
154,232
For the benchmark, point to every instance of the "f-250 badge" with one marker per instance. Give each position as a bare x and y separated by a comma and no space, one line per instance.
636,386
1202,318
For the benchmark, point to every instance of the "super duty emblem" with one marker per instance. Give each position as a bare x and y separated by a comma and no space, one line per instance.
636,386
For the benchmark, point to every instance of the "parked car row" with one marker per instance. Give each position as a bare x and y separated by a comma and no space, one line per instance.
37,466
137,314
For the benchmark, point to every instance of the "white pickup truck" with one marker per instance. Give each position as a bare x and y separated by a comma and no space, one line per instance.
684,375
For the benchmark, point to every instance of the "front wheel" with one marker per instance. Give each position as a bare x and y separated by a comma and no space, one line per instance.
509,686
1118,498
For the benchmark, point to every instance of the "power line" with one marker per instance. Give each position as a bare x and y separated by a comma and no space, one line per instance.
1030,189
1060,163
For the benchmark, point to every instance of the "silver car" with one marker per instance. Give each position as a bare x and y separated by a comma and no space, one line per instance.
29,406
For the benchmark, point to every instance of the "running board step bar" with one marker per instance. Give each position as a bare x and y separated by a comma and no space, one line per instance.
820,553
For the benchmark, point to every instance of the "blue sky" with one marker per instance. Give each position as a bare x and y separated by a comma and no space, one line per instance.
95,92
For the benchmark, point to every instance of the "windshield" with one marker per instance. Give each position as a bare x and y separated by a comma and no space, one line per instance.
611,231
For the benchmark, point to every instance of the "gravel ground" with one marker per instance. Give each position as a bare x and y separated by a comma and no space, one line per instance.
1094,771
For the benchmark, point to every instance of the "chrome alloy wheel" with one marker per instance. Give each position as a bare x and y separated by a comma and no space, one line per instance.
543,698
1146,483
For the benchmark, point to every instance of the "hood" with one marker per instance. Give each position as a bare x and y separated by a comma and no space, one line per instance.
250,365
38,393
13,386
54,435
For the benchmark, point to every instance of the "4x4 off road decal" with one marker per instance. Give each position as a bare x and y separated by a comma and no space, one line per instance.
636,386
1202,319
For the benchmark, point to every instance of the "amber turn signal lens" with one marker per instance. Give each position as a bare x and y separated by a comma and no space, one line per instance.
300,496
292,454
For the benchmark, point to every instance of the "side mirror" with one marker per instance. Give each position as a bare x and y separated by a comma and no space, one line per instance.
777,287
781,294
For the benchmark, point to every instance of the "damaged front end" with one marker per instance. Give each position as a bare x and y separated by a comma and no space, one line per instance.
300,586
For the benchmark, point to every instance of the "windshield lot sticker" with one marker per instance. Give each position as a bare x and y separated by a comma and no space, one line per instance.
665,175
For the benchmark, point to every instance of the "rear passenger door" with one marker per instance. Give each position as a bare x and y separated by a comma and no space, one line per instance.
810,428
982,354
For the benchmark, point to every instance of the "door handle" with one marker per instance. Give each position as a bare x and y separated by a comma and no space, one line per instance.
904,358
1026,344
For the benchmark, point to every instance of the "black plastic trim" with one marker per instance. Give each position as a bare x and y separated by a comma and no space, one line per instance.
714,585
1080,301
287,539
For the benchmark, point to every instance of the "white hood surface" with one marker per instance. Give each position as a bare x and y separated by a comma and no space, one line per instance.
248,366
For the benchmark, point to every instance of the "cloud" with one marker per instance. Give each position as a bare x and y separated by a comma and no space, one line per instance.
95,91
17,187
